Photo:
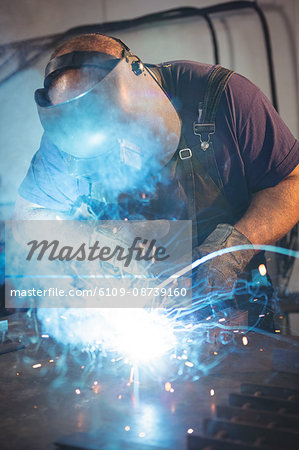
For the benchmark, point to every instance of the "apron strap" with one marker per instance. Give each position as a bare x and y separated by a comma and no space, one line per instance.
204,128
205,125
185,155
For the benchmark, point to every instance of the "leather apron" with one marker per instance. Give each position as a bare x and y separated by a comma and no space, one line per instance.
195,191
190,186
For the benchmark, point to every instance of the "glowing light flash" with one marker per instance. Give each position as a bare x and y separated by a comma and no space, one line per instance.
142,336
262,270
245,340
189,364
95,139
167,386
36,366
139,336
132,375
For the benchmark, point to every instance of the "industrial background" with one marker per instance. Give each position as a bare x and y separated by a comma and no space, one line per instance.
248,394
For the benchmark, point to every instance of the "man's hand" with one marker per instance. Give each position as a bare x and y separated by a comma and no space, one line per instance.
221,272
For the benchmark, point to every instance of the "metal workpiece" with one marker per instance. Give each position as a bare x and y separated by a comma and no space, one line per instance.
53,397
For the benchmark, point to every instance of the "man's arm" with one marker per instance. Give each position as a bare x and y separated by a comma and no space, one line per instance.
272,212
76,233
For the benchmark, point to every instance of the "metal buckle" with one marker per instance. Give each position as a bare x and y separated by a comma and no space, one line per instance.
204,128
200,128
187,155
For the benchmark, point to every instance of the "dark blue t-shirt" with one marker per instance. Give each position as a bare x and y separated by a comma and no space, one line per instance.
254,148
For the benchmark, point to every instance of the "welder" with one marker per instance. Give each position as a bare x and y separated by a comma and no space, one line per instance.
177,140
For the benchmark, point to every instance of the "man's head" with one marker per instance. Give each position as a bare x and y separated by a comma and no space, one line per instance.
100,101
70,82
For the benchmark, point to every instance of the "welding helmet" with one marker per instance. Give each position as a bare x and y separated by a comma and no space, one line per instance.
125,119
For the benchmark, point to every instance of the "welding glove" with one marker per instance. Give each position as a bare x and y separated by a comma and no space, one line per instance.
219,274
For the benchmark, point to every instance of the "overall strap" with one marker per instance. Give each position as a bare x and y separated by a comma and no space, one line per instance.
204,128
195,159
205,125
185,155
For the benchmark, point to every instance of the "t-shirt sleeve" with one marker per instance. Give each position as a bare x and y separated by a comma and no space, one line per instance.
47,182
269,150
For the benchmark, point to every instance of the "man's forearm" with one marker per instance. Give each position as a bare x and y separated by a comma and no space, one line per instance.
272,212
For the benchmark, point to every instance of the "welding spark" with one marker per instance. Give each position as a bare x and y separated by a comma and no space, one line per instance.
146,337
167,386
141,336
245,340
36,366
262,270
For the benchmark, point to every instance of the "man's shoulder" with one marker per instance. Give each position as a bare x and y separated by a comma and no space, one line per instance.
181,71
188,81
182,79
182,67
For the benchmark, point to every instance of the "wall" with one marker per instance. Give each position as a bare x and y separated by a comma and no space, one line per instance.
241,48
